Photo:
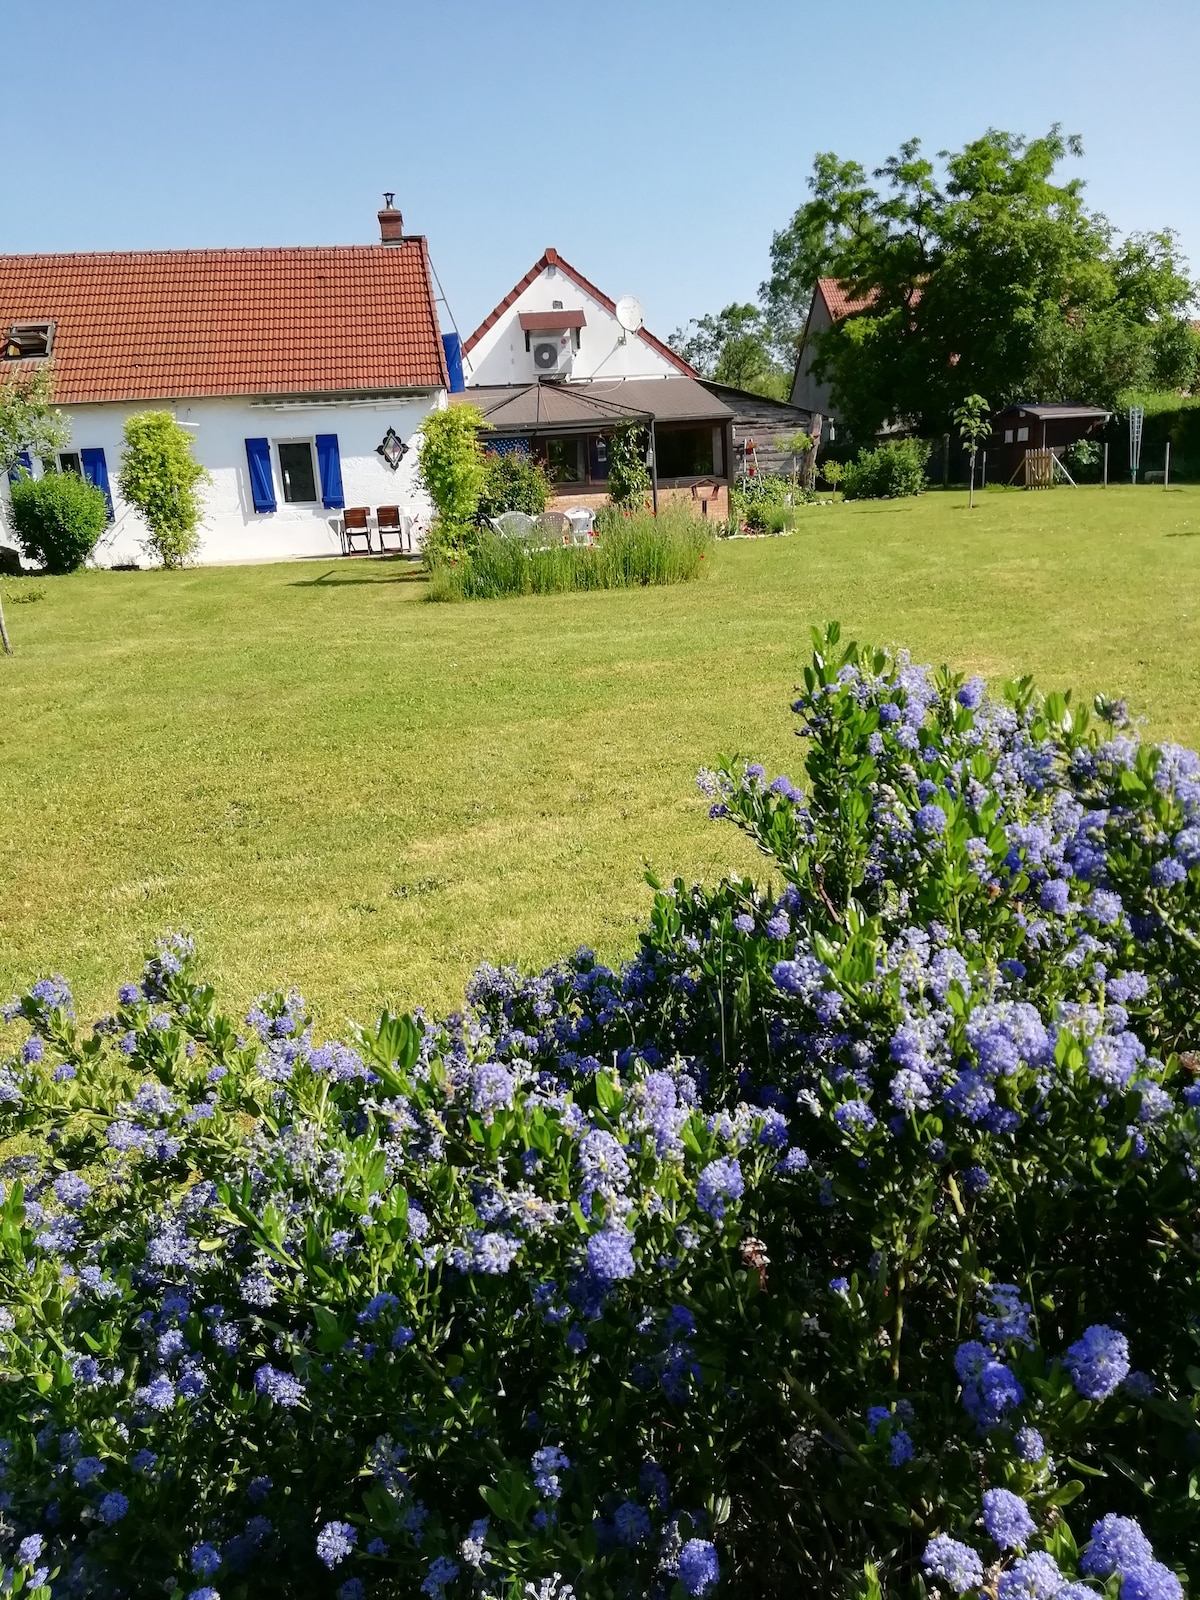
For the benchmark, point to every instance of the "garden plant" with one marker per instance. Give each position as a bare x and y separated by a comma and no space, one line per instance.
972,417
887,472
514,481
766,503
58,519
29,426
454,471
161,479
628,471
844,1242
635,548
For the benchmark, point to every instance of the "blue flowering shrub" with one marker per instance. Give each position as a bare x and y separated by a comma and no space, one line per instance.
844,1243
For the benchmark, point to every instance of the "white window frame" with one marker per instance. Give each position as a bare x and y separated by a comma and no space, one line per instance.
310,439
1022,435
1008,436
76,455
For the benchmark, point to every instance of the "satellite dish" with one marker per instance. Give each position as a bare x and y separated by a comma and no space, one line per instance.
629,313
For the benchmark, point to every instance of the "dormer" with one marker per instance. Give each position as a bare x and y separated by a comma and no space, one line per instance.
29,341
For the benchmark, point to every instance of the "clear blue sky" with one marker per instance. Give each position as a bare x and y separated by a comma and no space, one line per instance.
656,143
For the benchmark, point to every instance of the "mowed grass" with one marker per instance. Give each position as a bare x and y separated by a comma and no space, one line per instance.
334,785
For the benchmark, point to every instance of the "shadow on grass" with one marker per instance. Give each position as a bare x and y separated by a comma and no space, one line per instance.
333,580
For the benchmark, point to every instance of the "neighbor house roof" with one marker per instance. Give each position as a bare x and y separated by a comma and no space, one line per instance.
551,258
839,301
163,324
547,407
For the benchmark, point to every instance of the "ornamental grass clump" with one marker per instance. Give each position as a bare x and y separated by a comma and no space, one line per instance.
634,549
843,1242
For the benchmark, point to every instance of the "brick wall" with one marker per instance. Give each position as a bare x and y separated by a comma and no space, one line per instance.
717,499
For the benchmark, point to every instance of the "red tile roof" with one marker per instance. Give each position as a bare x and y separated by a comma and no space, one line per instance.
143,325
840,303
551,258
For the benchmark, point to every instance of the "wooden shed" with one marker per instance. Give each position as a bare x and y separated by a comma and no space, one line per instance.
762,426
1055,427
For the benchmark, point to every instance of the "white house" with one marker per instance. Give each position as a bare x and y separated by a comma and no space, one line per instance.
554,369
302,374
553,298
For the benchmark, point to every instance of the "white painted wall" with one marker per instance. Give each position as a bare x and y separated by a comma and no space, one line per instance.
501,356
232,530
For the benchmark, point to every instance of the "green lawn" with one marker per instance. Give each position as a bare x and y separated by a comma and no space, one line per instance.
335,785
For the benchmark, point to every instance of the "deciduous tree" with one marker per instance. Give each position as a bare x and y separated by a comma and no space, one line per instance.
734,347
986,274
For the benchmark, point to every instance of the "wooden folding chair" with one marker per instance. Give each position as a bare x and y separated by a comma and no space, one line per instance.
355,526
388,520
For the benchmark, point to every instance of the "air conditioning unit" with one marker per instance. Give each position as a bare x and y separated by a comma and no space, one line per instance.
553,354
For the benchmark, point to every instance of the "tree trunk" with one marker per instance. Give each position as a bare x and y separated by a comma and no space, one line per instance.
971,495
8,649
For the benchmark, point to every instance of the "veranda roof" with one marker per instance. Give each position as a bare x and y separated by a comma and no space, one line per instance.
589,407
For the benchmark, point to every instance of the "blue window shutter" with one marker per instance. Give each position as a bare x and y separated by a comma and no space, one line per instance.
22,467
95,470
262,486
452,345
329,460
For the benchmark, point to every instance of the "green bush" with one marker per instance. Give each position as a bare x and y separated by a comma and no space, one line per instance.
58,519
452,467
766,503
161,478
888,472
513,482
634,549
1082,460
447,541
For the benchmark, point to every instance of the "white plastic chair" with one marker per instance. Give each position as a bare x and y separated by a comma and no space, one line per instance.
513,524
583,524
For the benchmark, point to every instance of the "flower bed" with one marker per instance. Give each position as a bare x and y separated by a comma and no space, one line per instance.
844,1243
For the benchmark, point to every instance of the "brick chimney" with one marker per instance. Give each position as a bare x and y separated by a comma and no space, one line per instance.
391,223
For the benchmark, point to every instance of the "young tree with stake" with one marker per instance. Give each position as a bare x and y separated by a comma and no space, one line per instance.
973,420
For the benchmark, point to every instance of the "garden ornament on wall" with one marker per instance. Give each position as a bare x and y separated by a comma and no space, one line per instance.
393,449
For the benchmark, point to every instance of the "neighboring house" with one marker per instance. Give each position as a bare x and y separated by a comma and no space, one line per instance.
554,372
829,304
302,374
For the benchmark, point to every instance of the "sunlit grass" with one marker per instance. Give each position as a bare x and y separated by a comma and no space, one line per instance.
333,785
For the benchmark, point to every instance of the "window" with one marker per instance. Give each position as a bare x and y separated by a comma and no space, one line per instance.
1008,436
297,471
27,341
68,461
684,452
564,460
1022,435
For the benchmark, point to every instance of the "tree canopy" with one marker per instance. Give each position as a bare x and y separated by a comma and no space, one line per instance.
736,347
986,273
29,424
